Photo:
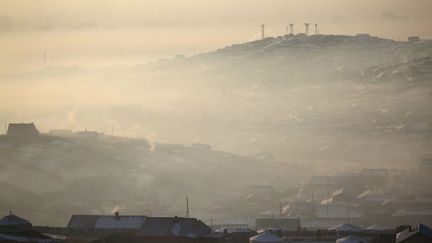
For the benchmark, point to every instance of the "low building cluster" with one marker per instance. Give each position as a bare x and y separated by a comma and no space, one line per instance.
137,228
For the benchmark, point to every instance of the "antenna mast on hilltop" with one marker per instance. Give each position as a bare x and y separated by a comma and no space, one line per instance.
307,28
262,31
291,29
316,29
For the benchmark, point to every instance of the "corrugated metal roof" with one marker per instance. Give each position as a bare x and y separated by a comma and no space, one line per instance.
188,227
151,226
106,222
83,221
124,222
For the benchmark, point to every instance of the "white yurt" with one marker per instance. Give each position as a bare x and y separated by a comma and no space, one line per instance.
266,237
14,224
351,239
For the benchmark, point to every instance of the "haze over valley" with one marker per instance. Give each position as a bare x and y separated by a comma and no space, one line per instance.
300,111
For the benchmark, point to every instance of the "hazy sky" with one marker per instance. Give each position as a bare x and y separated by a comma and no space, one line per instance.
77,34
123,31
208,14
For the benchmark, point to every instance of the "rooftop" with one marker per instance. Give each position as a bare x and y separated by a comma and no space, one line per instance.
22,130
152,226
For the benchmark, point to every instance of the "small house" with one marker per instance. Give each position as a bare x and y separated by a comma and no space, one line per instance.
22,130
413,39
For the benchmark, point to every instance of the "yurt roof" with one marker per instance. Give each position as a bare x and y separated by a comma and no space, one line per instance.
266,237
13,220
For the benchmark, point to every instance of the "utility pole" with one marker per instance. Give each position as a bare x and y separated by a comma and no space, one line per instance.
327,204
280,208
187,208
